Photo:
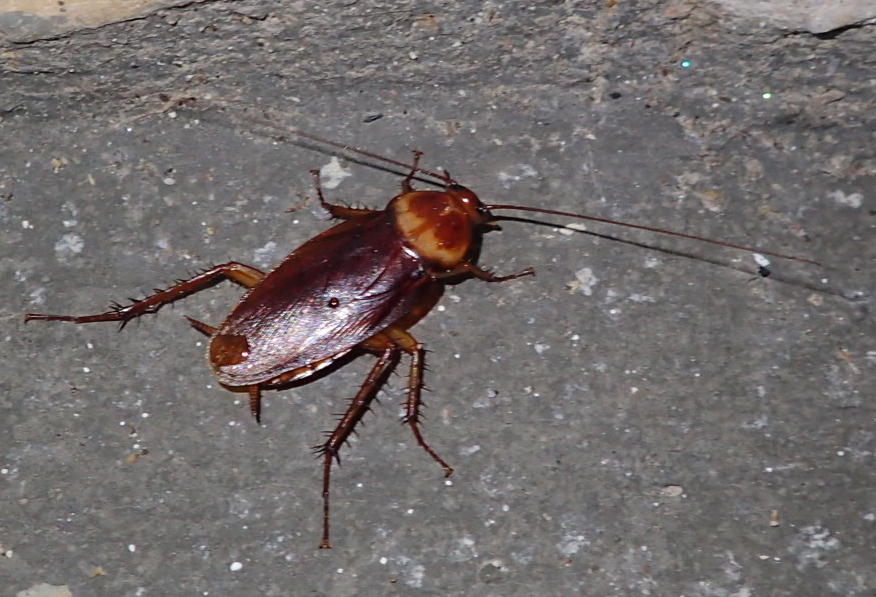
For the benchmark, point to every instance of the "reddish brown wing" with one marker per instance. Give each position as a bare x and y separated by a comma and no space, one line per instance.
333,292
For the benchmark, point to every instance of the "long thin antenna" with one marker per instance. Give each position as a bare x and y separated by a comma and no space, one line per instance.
445,180
442,179
702,239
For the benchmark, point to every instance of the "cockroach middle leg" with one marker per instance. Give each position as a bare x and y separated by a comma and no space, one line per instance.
238,272
360,405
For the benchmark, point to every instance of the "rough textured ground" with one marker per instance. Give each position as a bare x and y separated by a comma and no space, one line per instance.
628,422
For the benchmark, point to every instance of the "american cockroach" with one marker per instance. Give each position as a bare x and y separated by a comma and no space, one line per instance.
359,286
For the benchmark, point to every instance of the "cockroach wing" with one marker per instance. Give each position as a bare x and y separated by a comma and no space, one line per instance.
333,292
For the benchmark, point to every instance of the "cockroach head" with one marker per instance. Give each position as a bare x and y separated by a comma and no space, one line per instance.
477,211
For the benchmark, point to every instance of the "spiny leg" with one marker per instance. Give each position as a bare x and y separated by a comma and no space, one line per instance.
242,274
360,405
466,267
406,183
415,385
341,212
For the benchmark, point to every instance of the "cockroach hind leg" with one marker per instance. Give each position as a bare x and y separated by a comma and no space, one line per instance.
330,450
238,272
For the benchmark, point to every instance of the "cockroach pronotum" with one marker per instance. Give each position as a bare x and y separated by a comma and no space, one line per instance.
357,287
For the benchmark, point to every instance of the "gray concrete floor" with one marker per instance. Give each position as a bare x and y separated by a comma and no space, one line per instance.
683,427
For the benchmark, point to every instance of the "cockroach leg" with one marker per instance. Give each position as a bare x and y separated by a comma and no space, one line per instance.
415,385
242,274
389,343
406,185
466,267
360,405
341,212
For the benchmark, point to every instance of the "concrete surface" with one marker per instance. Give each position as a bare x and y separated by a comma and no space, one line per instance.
30,20
23,21
628,422
815,16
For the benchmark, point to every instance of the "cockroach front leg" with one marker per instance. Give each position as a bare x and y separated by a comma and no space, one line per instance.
341,212
466,267
406,185
242,274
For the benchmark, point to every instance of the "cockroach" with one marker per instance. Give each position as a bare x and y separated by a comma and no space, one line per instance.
359,286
